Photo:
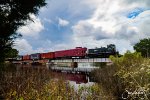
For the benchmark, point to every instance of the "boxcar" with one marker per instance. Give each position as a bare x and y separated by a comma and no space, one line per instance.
77,52
26,57
35,56
49,55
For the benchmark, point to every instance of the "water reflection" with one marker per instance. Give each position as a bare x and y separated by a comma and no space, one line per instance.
77,78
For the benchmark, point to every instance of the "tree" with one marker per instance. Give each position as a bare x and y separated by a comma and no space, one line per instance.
12,53
13,14
144,47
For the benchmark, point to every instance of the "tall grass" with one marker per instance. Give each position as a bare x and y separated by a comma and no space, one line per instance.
19,81
37,83
129,76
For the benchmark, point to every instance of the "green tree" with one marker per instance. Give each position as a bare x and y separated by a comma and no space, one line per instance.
13,14
144,47
12,53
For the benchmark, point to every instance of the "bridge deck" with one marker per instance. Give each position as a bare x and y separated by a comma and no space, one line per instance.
67,69
83,60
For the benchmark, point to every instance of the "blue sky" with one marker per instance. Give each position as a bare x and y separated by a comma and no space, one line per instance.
88,23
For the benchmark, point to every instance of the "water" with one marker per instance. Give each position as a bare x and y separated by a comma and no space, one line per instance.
77,86
78,80
75,79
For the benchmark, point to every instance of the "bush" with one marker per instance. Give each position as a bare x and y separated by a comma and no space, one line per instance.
128,73
37,83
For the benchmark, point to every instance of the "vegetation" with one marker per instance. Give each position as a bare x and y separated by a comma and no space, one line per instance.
12,53
144,47
99,64
20,81
13,14
128,77
28,83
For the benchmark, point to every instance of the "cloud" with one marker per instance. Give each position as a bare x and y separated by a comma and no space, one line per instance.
33,28
23,46
109,22
93,23
47,20
62,22
145,3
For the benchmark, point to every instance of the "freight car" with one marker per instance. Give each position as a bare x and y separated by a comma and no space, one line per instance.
78,52
26,57
35,56
103,52
49,55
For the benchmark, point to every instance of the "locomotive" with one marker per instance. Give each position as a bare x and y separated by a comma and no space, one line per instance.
78,52
103,52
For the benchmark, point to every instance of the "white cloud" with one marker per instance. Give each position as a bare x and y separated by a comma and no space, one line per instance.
62,22
33,28
106,23
47,20
110,23
145,3
23,46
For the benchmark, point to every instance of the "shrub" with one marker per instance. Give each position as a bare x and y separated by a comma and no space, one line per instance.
128,73
37,83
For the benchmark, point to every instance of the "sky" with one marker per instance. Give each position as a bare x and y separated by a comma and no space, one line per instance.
66,24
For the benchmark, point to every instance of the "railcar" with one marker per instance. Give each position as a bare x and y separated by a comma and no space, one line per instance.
49,55
78,52
26,57
35,56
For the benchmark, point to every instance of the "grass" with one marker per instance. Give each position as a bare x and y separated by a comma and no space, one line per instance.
128,77
21,81
28,83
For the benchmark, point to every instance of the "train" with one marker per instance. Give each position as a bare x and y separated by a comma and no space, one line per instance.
78,52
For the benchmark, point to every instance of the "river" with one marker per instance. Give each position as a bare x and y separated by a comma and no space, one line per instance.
75,79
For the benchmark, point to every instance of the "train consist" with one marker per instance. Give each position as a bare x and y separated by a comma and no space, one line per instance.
78,52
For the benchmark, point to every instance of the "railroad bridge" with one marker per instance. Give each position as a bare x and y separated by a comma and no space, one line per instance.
74,65
107,60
